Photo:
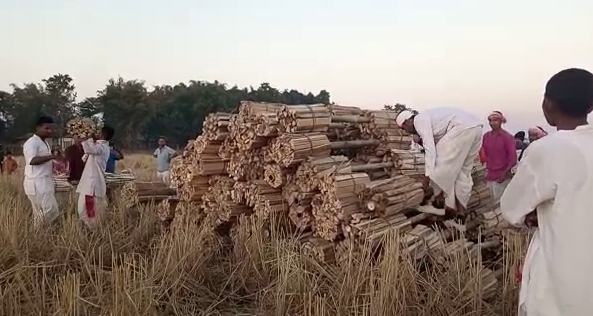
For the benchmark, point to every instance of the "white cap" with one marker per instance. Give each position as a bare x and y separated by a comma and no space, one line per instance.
402,117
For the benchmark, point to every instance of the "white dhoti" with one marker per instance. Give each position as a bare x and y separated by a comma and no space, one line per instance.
90,208
456,154
43,200
164,176
497,189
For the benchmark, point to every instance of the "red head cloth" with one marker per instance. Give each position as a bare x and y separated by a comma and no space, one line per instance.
537,132
497,115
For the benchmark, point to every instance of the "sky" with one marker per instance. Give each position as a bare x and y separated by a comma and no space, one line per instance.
475,55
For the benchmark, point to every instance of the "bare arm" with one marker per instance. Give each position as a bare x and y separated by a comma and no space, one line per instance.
31,157
424,130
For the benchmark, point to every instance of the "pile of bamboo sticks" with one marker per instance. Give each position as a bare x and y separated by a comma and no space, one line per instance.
136,193
338,176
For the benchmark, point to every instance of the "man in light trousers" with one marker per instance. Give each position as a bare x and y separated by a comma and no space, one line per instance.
163,155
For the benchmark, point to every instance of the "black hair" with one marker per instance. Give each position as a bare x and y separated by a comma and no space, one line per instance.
520,135
163,138
571,90
44,120
107,132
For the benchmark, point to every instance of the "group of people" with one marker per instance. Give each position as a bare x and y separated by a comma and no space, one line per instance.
86,162
546,185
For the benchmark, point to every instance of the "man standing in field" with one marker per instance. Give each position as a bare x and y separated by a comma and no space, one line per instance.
39,182
552,190
163,155
92,189
452,139
500,153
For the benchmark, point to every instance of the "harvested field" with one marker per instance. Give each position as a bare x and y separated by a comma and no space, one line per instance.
233,249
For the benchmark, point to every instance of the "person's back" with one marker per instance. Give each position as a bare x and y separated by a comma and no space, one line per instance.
74,155
564,221
446,119
552,190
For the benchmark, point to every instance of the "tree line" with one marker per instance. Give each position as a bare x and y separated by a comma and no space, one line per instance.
137,112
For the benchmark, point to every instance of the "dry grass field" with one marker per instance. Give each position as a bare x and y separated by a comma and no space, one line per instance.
131,265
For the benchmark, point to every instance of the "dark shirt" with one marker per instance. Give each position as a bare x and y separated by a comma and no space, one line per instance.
74,155
110,167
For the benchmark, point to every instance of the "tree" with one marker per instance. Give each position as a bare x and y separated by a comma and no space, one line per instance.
398,107
126,107
136,113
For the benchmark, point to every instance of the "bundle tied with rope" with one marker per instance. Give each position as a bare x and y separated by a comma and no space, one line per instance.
82,127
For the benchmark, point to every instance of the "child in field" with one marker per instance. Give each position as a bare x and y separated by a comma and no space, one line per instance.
9,165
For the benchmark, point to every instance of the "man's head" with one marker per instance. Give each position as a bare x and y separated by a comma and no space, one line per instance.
496,119
44,127
405,120
536,133
9,154
107,133
162,141
520,137
568,98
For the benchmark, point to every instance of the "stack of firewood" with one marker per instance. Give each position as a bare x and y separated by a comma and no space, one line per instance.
337,176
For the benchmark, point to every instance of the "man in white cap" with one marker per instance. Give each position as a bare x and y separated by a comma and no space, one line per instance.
452,140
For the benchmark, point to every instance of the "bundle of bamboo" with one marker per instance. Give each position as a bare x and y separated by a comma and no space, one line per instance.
318,248
291,149
410,163
311,172
82,127
117,179
134,193
304,118
215,126
61,184
393,195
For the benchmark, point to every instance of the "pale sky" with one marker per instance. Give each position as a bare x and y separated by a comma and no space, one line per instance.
475,55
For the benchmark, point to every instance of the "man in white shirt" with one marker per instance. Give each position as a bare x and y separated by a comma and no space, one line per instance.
452,140
39,183
553,191
163,155
92,189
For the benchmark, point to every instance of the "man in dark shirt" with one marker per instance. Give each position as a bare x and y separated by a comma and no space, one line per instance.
74,155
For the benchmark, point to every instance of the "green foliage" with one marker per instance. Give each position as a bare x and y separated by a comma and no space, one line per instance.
137,114
398,107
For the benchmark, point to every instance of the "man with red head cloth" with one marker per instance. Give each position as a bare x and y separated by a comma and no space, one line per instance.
500,155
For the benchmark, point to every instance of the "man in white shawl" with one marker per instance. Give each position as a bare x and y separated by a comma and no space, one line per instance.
92,189
553,191
452,140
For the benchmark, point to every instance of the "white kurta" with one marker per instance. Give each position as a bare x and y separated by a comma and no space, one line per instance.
38,183
452,140
555,177
92,187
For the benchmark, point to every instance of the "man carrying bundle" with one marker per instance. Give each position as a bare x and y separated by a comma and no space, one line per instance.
92,189
452,139
552,190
